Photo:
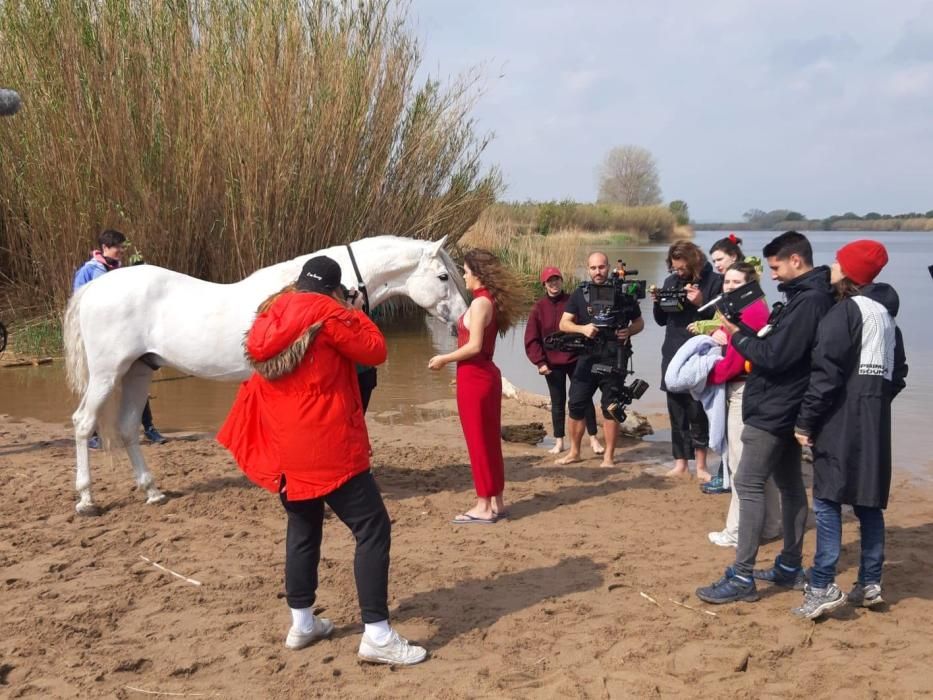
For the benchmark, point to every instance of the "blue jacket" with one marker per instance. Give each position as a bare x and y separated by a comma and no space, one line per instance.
90,270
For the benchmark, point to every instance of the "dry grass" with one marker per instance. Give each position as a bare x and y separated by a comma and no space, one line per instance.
551,217
223,136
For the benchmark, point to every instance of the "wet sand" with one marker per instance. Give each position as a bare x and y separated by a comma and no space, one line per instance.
546,604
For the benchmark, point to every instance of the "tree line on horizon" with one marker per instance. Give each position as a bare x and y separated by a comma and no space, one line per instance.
788,218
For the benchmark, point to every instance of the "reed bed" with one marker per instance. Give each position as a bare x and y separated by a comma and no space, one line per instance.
550,217
222,136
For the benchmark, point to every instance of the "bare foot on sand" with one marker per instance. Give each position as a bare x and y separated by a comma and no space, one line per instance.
569,459
704,476
558,446
677,472
596,446
608,462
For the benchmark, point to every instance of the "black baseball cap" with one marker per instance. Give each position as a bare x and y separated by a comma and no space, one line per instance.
319,274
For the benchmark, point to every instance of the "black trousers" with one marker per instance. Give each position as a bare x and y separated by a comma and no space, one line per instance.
367,382
359,505
689,425
557,388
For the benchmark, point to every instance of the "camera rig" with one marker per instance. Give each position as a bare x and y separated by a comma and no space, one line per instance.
611,306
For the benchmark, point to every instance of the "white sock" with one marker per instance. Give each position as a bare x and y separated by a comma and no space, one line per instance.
302,619
378,632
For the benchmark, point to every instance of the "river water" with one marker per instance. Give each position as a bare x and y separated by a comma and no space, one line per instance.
408,393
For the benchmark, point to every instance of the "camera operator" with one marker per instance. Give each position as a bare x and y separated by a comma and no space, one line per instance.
692,283
583,384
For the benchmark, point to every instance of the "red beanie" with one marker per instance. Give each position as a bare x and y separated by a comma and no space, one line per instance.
861,261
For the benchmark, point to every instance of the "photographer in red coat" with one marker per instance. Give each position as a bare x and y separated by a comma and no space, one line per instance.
297,429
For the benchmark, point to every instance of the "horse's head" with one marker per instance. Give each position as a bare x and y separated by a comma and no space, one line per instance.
436,285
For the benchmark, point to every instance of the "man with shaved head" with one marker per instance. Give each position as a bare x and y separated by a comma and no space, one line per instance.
577,318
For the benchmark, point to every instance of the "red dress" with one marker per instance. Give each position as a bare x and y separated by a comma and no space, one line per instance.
479,402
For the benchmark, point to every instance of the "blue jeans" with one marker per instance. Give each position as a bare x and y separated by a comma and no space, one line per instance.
829,542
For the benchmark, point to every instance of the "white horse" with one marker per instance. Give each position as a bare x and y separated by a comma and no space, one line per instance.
122,326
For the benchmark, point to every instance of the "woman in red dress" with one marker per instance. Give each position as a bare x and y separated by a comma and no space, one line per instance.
496,298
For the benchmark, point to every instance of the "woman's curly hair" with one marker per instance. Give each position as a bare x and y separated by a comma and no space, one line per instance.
503,284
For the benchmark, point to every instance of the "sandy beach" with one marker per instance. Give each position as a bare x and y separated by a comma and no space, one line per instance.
576,595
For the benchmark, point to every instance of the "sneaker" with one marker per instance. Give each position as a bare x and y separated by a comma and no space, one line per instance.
321,629
396,651
782,576
723,539
94,442
154,436
819,601
729,589
867,595
714,486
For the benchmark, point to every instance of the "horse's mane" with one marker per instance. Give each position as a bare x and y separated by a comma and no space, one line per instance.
455,275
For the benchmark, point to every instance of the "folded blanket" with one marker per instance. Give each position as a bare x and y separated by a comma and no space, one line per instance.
687,373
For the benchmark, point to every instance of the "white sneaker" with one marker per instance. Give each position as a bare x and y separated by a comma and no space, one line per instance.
723,539
321,629
396,651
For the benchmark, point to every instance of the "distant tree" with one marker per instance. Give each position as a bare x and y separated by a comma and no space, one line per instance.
794,216
851,215
929,214
872,216
680,211
754,215
629,176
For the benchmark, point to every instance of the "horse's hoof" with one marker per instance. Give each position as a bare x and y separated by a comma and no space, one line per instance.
87,509
157,500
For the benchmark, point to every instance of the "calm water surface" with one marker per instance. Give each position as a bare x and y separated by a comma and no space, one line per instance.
407,391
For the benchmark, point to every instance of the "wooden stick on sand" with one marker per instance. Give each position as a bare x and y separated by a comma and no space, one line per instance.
169,571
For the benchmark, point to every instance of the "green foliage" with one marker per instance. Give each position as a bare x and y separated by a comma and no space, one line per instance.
680,211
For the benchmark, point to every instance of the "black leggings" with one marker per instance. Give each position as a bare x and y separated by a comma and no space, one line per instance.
359,505
557,387
689,425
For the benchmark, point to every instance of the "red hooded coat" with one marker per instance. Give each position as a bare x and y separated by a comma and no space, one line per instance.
300,413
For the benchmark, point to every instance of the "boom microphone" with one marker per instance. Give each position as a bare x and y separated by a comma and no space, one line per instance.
9,102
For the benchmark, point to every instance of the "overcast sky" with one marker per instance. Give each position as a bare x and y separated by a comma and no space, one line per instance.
822,107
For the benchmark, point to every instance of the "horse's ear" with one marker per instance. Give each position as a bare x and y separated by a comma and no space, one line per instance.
438,246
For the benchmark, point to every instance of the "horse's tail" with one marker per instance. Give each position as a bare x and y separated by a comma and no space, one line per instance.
75,356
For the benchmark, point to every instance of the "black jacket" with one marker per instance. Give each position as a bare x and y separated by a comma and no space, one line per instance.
859,366
675,324
781,360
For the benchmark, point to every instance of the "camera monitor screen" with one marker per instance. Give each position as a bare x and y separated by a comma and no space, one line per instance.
602,292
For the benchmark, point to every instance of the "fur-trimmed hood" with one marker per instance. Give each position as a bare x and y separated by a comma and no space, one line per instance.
283,334
286,361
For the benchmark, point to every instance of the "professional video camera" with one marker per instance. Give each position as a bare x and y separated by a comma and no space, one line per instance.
732,304
612,306
670,301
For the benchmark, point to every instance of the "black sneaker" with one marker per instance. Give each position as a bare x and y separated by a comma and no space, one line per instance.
782,576
729,589
154,436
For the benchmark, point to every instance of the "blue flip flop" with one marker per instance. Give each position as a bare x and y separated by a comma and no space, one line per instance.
467,519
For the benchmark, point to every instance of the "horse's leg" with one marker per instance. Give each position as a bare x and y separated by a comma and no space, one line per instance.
135,393
85,420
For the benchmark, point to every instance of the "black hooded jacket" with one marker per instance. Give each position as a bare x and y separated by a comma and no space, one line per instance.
859,366
781,360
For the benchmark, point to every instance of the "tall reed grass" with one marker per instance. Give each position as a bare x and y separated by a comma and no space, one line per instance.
222,136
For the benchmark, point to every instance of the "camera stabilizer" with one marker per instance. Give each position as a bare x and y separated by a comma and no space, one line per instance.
612,306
